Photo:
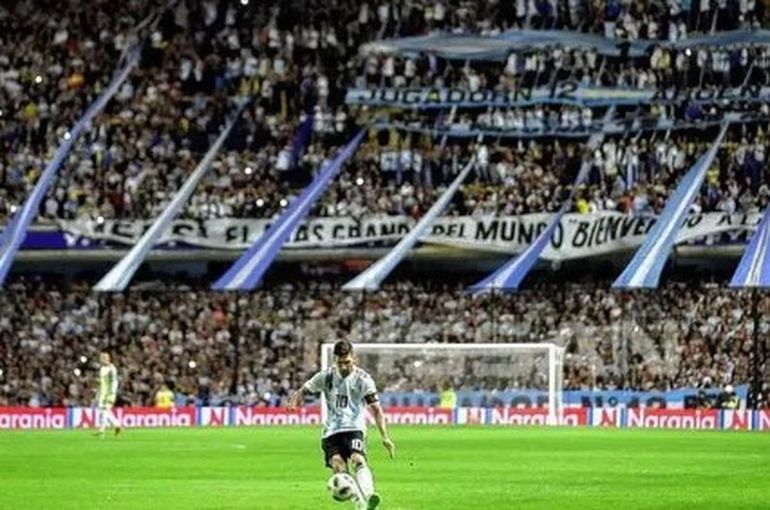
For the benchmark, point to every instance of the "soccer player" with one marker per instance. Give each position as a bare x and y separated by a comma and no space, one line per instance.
108,392
348,390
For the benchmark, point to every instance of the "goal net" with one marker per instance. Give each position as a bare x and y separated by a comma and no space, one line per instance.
481,375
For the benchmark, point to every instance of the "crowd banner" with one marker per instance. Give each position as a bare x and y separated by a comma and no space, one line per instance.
498,47
644,269
566,92
246,272
371,278
13,236
510,275
80,418
754,268
611,127
575,237
121,273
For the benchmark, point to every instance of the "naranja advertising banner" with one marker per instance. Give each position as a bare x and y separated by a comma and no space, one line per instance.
273,416
33,418
245,416
134,417
535,416
672,418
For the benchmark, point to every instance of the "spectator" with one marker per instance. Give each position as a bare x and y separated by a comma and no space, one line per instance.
164,397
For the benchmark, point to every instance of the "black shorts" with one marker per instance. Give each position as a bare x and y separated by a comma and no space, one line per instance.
343,444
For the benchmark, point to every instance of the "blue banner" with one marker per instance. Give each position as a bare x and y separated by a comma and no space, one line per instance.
567,92
247,271
644,269
612,127
754,267
497,48
15,234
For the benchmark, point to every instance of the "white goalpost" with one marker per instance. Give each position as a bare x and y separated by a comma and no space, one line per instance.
468,369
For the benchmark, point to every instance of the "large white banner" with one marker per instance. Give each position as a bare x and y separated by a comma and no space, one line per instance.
576,236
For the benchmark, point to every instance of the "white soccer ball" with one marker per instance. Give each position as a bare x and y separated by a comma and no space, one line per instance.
342,486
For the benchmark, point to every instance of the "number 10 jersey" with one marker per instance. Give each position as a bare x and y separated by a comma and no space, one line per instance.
346,398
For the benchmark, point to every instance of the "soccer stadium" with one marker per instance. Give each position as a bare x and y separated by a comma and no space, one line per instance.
389,254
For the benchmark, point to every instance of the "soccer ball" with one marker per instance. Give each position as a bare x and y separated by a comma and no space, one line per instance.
342,486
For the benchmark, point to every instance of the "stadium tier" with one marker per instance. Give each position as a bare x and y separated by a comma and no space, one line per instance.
485,233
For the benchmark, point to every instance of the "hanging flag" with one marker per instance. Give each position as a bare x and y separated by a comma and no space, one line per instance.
373,276
120,275
512,273
644,269
754,268
16,230
247,271
302,139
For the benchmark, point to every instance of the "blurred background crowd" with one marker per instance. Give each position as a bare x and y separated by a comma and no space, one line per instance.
254,348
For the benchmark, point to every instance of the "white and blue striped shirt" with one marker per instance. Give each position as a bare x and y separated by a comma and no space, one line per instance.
345,398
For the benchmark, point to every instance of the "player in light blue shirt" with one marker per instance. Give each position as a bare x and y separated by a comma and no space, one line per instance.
348,390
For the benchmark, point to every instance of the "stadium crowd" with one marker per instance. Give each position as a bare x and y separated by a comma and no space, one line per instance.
56,56
150,137
253,348
624,19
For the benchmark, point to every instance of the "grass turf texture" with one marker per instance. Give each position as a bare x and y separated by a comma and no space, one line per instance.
436,468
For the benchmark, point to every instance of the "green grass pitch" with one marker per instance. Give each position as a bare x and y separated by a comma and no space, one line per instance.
436,468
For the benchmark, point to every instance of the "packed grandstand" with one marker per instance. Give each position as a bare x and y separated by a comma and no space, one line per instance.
304,72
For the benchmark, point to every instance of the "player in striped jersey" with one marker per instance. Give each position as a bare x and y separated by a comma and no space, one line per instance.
348,390
108,392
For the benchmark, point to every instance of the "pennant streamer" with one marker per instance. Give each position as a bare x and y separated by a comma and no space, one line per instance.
512,273
247,271
754,267
14,233
644,269
16,229
373,276
120,275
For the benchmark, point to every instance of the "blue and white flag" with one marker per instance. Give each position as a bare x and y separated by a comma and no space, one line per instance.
568,92
120,275
497,48
754,267
644,269
374,274
611,127
513,272
247,271
16,230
